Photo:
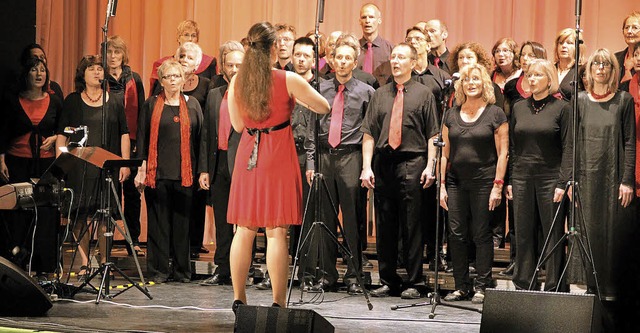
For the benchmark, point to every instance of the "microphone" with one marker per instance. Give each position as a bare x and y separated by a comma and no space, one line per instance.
112,5
454,77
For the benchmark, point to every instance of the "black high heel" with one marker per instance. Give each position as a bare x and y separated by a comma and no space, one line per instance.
275,305
235,305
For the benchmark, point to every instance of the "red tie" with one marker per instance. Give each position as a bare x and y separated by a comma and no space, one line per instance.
436,62
395,124
337,110
224,126
367,65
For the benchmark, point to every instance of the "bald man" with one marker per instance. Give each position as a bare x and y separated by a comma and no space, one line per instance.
375,49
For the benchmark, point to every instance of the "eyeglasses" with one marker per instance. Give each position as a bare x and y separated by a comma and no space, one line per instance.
284,40
534,75
502,51
171,76
417,39
602,64
631,28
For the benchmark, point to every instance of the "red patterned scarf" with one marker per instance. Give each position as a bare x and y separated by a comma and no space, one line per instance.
185,143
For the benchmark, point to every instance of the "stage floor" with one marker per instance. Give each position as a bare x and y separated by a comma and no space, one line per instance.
189,307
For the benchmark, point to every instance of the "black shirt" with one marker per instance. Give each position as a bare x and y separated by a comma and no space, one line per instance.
540,143
356,100
444,61
472,146
419,120
169,156
566,85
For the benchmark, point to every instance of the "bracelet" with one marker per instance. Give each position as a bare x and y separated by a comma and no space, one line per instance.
498,182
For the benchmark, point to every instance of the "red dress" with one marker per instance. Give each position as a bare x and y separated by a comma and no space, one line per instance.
270,194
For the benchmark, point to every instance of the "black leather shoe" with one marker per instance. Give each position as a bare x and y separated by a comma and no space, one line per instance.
216,280
306,286
264,284
509,270
354,289
275,305
383,291
410,293
323,285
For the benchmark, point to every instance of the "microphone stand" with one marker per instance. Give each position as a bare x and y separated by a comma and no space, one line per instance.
434,297
581,236
318,180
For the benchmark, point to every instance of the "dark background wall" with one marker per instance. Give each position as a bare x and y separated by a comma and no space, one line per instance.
17,29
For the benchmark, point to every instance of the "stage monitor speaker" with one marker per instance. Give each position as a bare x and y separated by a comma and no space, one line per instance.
19,294
539,311
263,319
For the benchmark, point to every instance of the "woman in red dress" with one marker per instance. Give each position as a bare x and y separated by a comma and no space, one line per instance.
266,189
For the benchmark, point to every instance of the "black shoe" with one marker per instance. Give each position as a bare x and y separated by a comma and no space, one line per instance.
275,305
458,295
410,293
509,270
264,284
478,297
306,286
366,263
472,268
203,249
383,291
323,285
354,289
195,254
216,280
235,305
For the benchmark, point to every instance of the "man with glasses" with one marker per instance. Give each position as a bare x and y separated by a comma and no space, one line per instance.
284,45
631,35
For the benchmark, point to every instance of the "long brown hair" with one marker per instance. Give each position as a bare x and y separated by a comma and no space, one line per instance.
253,82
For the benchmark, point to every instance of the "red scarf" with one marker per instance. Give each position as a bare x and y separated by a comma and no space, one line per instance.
634,86
131,107
185,140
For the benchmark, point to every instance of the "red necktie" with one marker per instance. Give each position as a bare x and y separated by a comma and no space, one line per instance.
436,62
224,125
337,110
367,65
395,124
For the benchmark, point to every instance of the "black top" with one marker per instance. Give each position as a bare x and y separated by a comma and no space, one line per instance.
76,112
444,61
119,86
209,152
419,120
169,156
513,91
381,52
217,81
57,90
356,100
430,81
620,55
288,67
566,85
540,142
15,123
472,146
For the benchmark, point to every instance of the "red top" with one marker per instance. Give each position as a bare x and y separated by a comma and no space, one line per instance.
35,110
270,194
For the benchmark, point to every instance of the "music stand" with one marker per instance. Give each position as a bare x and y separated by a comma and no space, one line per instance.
107,162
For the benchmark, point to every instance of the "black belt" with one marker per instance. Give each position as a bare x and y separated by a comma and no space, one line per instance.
253,159
341,149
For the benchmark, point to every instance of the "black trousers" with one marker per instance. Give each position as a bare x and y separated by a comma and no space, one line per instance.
131,202
341,170
168,214
196,227
399,201
534,209
220,202
469,215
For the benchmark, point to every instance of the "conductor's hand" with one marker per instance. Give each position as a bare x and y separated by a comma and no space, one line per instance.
558,194
426,179
495,197
625,194
367,178
309,175
4,171
204,181
508,193
124,174
444,198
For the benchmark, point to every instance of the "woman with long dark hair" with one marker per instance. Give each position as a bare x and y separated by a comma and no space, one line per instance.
266,189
